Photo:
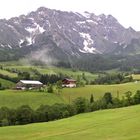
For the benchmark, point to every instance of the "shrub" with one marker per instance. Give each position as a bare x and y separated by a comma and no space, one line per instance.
81,104
24,114
50,88
4,122
137,97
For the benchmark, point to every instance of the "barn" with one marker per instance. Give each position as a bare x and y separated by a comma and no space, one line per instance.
28,84
68,83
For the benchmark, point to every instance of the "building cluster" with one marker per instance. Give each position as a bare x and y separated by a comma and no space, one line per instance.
32,84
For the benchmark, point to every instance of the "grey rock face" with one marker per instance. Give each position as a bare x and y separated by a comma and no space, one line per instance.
72,33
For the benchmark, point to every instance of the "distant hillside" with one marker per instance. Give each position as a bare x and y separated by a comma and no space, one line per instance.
113,124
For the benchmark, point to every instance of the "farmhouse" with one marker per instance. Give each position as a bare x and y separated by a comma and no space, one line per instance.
28,84
68,83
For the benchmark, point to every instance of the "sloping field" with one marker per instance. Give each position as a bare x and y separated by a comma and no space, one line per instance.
99,90
113,124
136,76
6,83
54,70
13,98
5,72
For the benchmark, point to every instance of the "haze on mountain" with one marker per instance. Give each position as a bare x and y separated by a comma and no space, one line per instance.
67,38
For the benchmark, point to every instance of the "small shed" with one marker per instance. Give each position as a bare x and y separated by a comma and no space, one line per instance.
68,83
28,84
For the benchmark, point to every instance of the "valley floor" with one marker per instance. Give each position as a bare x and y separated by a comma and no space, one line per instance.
113,124
15,98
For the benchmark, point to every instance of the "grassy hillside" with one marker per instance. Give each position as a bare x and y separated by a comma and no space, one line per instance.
136,76
6,83
8,68
53,70
10,74
99,90
12,98
113,124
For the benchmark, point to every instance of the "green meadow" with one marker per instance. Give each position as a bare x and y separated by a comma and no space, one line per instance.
15,98
52,70
98,91
136,76
10,74
112,124
6,83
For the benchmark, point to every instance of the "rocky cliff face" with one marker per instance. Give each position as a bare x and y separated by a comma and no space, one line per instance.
68,33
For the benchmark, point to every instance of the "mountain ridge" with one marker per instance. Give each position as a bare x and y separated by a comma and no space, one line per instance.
87,31
55,35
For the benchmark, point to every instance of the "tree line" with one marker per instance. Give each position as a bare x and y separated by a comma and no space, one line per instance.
25,114
115,78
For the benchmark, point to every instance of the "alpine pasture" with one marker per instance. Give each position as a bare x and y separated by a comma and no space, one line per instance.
112,124
13,98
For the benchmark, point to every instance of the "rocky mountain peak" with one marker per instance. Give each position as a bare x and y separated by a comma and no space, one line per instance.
72,32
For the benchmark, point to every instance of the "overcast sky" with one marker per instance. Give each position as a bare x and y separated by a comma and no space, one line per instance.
126,11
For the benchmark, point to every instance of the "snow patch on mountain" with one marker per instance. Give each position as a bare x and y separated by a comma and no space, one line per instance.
99,19
91,21
30,30
20,42
2,45
16,22
74,30
29,40
106,37
9,46
85,14
88,50
88,42
78,14
31,18
80,22
10,26
87,38
125,46
41,29
37,28
48,23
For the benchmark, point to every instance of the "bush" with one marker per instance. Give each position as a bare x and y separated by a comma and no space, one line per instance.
4,122
81,104
107,97
1,87
91,98
117,103
4,113
57,111
128,98
137,97
42,113
24,114
50,88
